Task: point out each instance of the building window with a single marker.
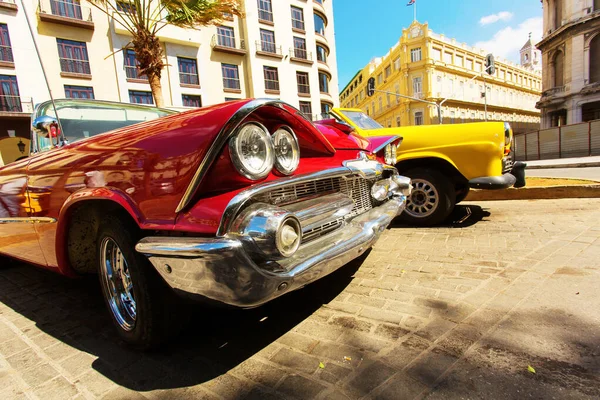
(397, 64)
(297, 18)
(447, 57)
(306, 109)
(388, 71)
(323, 82)
(126, 7)
(225, 36)
(459, 61)
(132, 66)
(5, 47)
(478, 66)
(397, 121)
(379, 79)
(300, 48)
(415, 54)
(190, 100)
(558, 69)
(319, 24)
(73, 57)
(302, 81)
(66, 8)
(79, 92)
(271, 78)
(380, 99)
(321, 54)
(9, 94)
(267, 41)
(595, 58)
(265, 10)
(326, 108)
(140, 97)
(417, 86)
(231, 76)
(188, 71)
(469, 64)
(419, 118)
(558, 13)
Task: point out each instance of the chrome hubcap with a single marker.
(424, 199)
(117, 284)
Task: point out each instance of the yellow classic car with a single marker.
(445, 161)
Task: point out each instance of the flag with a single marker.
(411, 2)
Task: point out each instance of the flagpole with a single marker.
(415, 11)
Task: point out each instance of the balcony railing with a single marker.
(66, 12)
(228, 44)
(74, 66)
(554, 91)
(15, 104)
(186, 78)
(10, 4)
(133, 72)
(6, 54)
(268, 48)
(301, 54)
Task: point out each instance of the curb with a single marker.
(536, 193)
(576, 165)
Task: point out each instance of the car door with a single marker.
(18, 236)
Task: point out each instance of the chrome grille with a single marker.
(357, 188)
(507, 163)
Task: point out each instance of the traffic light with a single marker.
(490, 66)
(370, 87)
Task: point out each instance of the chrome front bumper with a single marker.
(221, 269)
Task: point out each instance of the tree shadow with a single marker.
(215, 341)
(463, 216)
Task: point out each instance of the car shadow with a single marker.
(463, 216)
(213, 342)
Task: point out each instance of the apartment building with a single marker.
(432, 67)
(281, 49)
(571, 62)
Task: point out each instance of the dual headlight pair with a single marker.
(390, 154)
(255, 152)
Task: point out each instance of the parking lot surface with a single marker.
(500, 303)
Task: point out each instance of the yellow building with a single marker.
(434, 68)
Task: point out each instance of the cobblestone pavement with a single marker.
(451, 312)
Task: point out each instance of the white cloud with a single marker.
(508, 41)
(501, 16)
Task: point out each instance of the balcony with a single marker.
(228, 44)
(66, 13)
(554, 91)
(6, 57)
(301, 56)
(15, 105)
(9, 5)
(75, 68)
(268, 49)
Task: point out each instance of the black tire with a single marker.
(154, 314)
(428, 184)
(461, 194)
(6, 262)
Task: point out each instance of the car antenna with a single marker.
(37, 50)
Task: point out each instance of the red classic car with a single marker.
(236, 203)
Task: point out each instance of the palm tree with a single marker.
(145, 18)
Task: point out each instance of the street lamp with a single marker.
(21, 146)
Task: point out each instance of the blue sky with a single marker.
(367, 29)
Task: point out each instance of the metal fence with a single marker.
(577, 140)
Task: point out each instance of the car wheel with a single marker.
(142, 309)
(461, 194)
(6, 262)
(432, 198)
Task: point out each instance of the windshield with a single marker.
(83, 119)
(361, 120)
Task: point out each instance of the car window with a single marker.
(361, 120)
(80, 120)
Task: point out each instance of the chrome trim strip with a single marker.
(382, 146)
(223, 136)
(33, 220)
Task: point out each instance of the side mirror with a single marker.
(370, 87)
(46, 126)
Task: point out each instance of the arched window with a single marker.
(559, 69)
(595, 59)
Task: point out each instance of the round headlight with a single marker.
(287, 150)
(251, 151)
(388, 156)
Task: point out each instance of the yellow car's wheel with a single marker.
(432, 198)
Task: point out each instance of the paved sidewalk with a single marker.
(575, 162)
(451, 312)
